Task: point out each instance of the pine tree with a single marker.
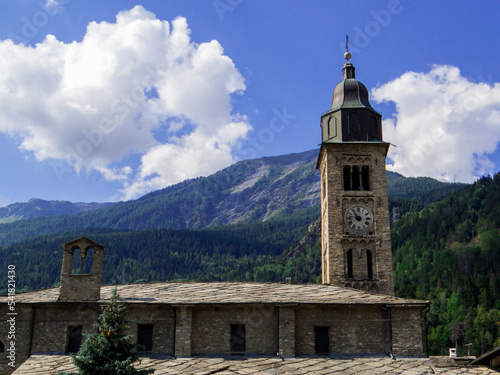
(109, 351)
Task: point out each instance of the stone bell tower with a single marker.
(82, 286)
(356, 242)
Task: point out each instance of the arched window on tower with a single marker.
(365, 178)
(349, 265)
(369, 264)
(356, 177)
(347, 177)
(82, 261)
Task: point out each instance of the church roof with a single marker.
(52, 364)
(80, 240)
(228, 293)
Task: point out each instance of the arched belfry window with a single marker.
(82, 261)
(349, 264)
(365, 178)
(347, 177)
(356, 177)
(369, 264)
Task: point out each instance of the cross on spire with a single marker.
(347, 54)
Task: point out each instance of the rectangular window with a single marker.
(321, 340)
(74, 339)
(145, 337)
(238, 339)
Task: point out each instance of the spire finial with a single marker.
(347, 55)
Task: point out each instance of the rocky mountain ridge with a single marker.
(249, 191)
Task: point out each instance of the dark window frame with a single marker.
(322, 340)
(350, 266)
(74, 334)
(356, 177)
(369, 264)
(145, 333)
(238, 339)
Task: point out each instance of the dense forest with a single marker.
(449, 253)
(244, 252)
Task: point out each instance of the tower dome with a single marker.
(351, 118)
(350, 93)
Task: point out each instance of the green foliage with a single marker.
(109, 351)
(449, 254)
(419, 189)
(245, 252)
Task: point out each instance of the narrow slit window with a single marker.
(365, 177)
(77, 263)
(356, 179)
(238, 339)
(349, 264)
(369, 264)
(322, 340)
(347, 178)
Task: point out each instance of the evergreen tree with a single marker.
(109, 351)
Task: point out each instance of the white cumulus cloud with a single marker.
(137, 86)
(445, 125)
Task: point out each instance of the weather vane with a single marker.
(347, 55)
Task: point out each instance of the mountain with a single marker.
(422, 189)
(240, 252)
(246, 192)
(40, 208)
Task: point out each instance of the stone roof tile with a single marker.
(225, 293)
(163, 364)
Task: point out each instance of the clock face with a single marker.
(359, 218)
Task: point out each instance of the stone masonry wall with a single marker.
(408, 331)
(353, 329)
(287, 331)
(206, 329)
(21, 326)
(50, 332)
(335, 202)
(162, 319)
(211, 331)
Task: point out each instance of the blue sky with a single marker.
(105, 101)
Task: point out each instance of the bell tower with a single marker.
(356, 241)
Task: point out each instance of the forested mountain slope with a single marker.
(247, 192)
(240, 252)
(449, 253)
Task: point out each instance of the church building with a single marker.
(354, 311)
